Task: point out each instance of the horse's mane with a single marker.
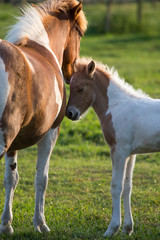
(30, 23)
(65, 6)
(113, 75)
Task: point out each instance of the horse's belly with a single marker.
(22, 141)
(35, 130)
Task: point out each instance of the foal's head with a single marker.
(82, 90)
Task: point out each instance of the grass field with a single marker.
(78, 199)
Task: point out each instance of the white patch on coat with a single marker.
(58, 95)
(4, 92)
(56, 59)
(135, 117)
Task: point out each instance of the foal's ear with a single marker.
(91, 68)
(76, 10)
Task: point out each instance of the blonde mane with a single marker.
(30, 23)
(114, 77)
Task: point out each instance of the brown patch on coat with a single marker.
(13, 166)
(11, 153)
(101, 106)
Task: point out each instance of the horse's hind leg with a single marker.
(45, 147)
(10, 183)
(128, 220)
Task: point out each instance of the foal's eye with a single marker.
(81, 90)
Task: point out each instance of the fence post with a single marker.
(108, 15)
(139, 12)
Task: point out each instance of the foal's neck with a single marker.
(100, 104)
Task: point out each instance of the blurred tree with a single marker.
(139, 12)
(108, 15)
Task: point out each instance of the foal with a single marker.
(130, 122)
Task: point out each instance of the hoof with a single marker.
(42, 228)
(6, 229)
(108, 234)
(128, 229)
(111, 231)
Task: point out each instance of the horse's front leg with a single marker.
(45, 147)
(10, 183)
(118, 172)
(128, 220)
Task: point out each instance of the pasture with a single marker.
(78, 199)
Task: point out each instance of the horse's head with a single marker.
(78, 26)
(82, 92)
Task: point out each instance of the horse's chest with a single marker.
(108, 130)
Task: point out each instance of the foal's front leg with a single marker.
(128, 220)
(10, 183)
(45, 147)
(118, 173)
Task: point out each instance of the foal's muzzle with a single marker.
(72, 113)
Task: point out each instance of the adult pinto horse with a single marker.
(32, 94)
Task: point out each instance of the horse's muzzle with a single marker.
(72, 113)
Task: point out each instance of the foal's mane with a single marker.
(30, 23)
(113, 76)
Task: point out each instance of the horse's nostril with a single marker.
(72, 113)
(69, 114)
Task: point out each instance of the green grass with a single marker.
(78, 199)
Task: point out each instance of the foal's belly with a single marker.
(148, 144)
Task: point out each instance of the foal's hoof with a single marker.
(6, 229)
(112, 230)
(128, 229)
(42, 228)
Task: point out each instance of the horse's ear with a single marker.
(76, 10)
(91, 68)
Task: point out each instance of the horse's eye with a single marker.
(81, 90)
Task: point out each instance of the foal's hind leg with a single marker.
(128, 220)
(45, 147)
(10, 183)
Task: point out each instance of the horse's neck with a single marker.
(57, 34)
(100, 104)
(109, 93)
